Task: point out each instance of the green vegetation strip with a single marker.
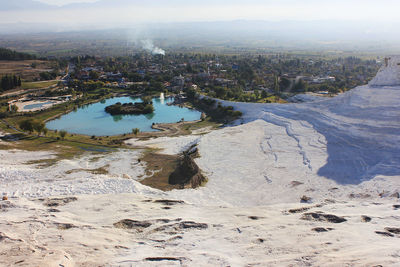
(38, 85)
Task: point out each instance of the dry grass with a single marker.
(63, 149)
(160, 167)
(24, 68)
(38, 85)
(101, 170)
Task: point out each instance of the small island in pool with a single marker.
(92, 119)
(145, 107)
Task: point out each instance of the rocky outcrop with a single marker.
(322, 217)
(132, 224)
(388, 75)
(299, 210)
(187, 173)
(55, 202)
(65, 226)
(5, 205)
(365, 218)
(384, 233)
(157, 259)
(169, 202)
(321, 229)
(393, 230)
(305, 199)
(181, 227)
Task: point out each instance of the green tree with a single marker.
(189, 68)
(135, 131)
(146, 100)
(264, 94)
(300, 86)
(94, 75)
(156, 86)
(7, 54)
(277, 88)
(26, 125)
(284, 83)
(148, 109)
(191, 93)
(8, 82)
(14, 109)
(73, 93)
(220, 91)
(135, 77)
(333, 90)
(38, 126)
(62, 134)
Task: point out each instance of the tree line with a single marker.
(32, 125)
(8, 82)
(7, 54)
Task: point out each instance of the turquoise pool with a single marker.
(93, 120)
(38, 105)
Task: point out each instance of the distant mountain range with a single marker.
(7, 5)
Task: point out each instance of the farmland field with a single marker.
(24, 68)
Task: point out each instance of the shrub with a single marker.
(26, 125)
(38, 126)
(63, 134)
(135, 131)
(148, 109)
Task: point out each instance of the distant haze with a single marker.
(122, 12)
(325, 22)
(65, 2)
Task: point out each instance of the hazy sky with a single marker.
(375, 10)
(125, 14)
(65, 2)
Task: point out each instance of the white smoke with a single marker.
(149, 46)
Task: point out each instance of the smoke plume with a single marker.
(149, 46)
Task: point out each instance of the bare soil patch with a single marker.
(160, 167)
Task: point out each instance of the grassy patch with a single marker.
(38, 85)
(159, 166)
(202, 124)
(272, 99)
(63, 149)
(3, 147)
(101, 170)
(43, 163)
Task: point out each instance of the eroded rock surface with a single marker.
(55, 202)
(322, 217)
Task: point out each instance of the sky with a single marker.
(379, 12)
(65, 2)
(375, 10)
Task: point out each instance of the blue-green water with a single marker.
(39, 105)
(93, 120)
